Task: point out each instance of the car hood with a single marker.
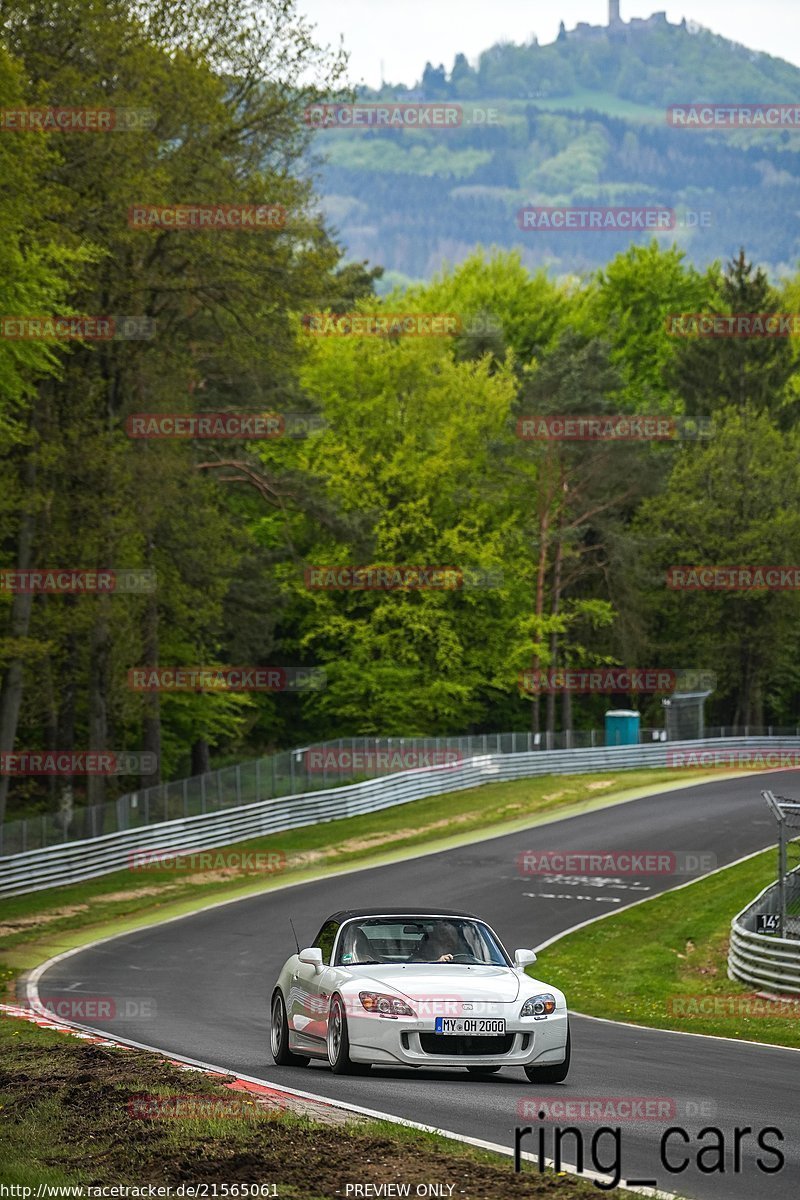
(447, 981)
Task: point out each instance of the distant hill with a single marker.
(581, 121)
(647, 61)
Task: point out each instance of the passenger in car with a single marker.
(356, 948)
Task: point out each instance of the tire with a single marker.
(482, 1070)
(553, 1072)
(279, 1037)
(338, 1042)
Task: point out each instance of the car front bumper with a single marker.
(397, 1040)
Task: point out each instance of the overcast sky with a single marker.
(395, 37)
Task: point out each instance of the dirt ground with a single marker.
(124, 1116)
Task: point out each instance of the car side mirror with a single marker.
(312, 957)
(524, 958)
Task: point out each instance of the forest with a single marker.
(395, 444)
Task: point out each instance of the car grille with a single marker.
(433, 1043)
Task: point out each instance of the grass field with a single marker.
(584, 98)
(664, 961)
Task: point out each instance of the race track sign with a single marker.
(768, 923)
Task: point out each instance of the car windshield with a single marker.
(418, 939)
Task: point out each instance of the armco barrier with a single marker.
(78, 860)
(760, 958)
(286, 773)
(316, 767)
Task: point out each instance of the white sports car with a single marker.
(417, 988)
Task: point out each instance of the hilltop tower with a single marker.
(613, 13)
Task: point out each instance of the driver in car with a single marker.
(438, 946)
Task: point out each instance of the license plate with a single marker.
(469, 1025)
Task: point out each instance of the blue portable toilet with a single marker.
(622, 727)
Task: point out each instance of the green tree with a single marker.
(730, 502)
(628, 304)
(37, 270)
(406, 449)
(227, 89)
(713, 372)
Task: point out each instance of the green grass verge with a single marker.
(78, 1114)
(39, 924)
(642, 963)
(583, 99)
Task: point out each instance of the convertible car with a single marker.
(407, 987)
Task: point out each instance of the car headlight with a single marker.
(539, 1006)
(385, 1006)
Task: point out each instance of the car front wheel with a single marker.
(338, 1041)
(553, 1072)
(279, 1037)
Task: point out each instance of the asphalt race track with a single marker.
(210, 977)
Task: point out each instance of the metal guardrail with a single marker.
(761, 958)
(288, 773)
(89, 858)
(786, 811)
(297, 772)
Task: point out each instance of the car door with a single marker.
(310, 990)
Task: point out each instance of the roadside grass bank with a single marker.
(40, 924)
(81, 1114)
(664, 962)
